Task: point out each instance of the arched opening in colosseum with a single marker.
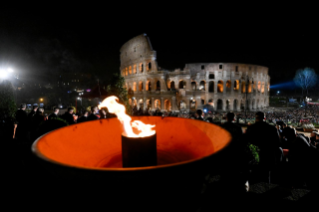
(254, 86)
(172, 87)
(182, 105)
(193, 84)
(134, 69)
(243, 87)
(158, 85)
(167, 105)
(262, 87)
(261, 104)
(202, 85)
(192, 104)
(211, 76)
(182, 84)
(236, 85)
(148, 86)
(259, 86)
(235, 104)
(242, 105)
(168, 84)
(149, 66)
(258, 106)
(211, 87)
(126, 72)
(227, 104)
(220, 86)
(228, 85)
(130, 69)
(140, 104)
(130, 92)
(247, 105)
(219, 104)
(134, 86)
(253, 104)
(141, 67)
(148, 104)
(157, 104)
(140, 86)
(249, 87)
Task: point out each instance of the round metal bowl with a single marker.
(90, 152)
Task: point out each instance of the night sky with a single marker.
(39, 43)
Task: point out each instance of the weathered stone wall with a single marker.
(194, 86)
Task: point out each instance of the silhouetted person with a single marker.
(37, 120)
(22, 123)
(266, 138)
(54, 114)
(135, 111)
(93, 115)
(68, 116)
(32, 113)
(300, 159)
(103, 113)
(199, 115)
(84, 117)
(236, 167)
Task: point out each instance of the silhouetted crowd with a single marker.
(272, 154)
(260, 153)
(29, 126)
(311, 114)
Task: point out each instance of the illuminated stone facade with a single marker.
(225, 84)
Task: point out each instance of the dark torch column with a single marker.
(139, 152)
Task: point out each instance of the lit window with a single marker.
(134, 69)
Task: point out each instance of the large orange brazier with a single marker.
(91, 151)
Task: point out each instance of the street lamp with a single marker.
(4, 73)
(76, 103)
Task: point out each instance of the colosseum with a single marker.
(221, 86)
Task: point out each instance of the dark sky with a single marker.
(89, 40)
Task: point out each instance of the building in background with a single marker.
(226, 86)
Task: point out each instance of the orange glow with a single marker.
(97, 144)
(119, 110)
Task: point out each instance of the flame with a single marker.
(119, 110)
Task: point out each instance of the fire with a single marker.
(119, 110)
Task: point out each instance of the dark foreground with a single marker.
(27, 185)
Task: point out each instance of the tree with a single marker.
(115, 86)
(305, 78)
(7, 103)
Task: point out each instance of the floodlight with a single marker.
(3, 74)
